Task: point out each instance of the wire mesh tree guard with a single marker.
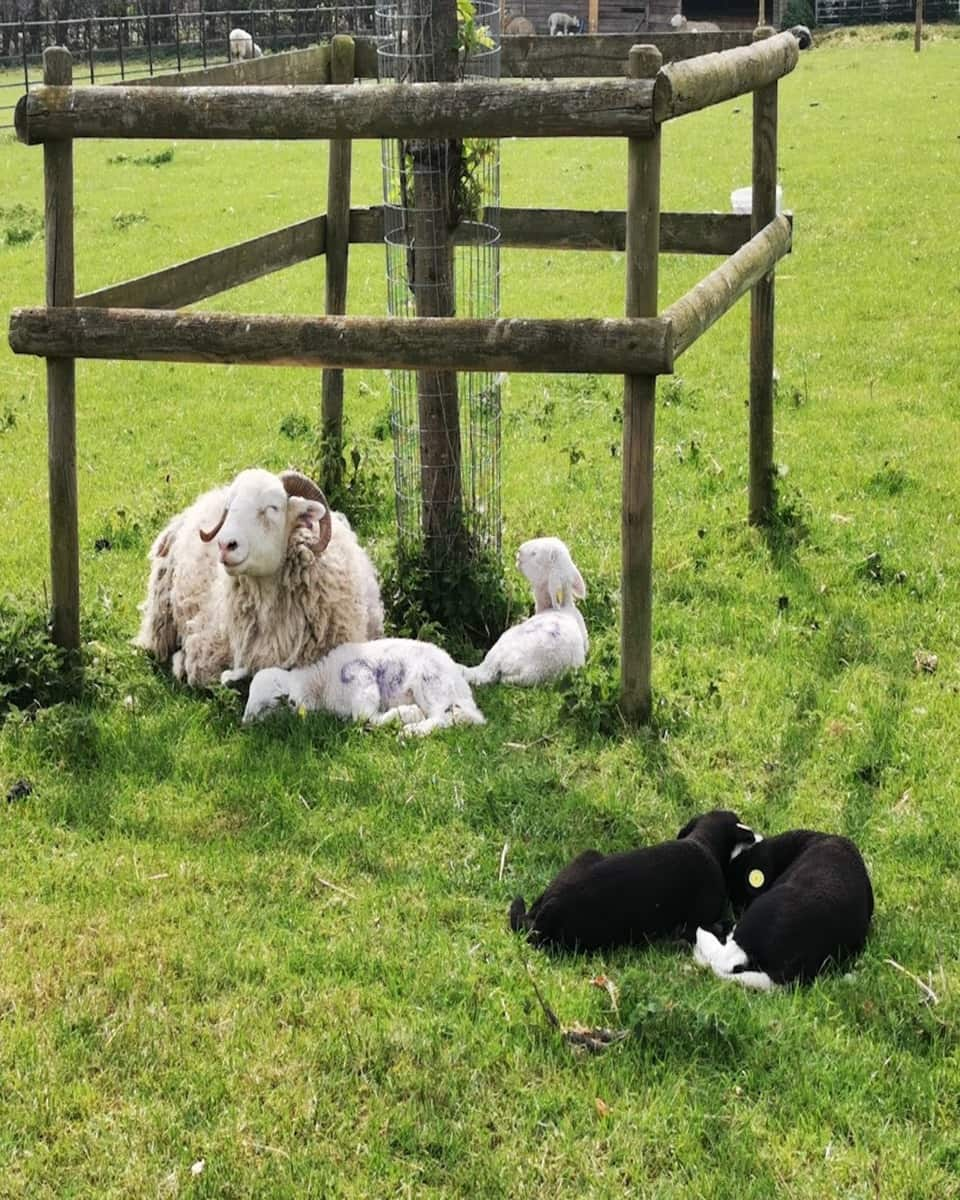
(443, 260)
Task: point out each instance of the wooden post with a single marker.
(763, 210)
(918, 26)
(337, 250)
(435, 168)
(61, 394)
(593, 15)
(639, 396)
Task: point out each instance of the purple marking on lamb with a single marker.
(350, 670)
(551, 627)
(389, 676)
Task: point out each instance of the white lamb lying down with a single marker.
(391, 679)
(554, 639)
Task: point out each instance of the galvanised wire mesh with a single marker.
(443, 259)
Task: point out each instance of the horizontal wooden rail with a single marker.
(707, 301)
(589, 56)
(488, 108)
(685, 87)
(566, 229)
(574, 229)
(596, 55)
(209, 274)
(292, 67)
(593, 346)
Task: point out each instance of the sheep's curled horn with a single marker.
(295, 484)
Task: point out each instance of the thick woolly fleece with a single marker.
(220, 622)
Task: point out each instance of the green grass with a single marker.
(282, 951)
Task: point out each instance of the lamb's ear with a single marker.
(743, 838)
(563, 579)
(687, 829)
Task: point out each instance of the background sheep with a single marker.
(519, 27)
(680, 24)
(559, 24)
(599, 900)
(393, 679)
(552, 641)
(808, 903)
(256, 574)
(243, 46)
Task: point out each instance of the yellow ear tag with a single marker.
(756, 878)
(561, 593)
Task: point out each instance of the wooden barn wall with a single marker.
(626, 16)
(633, 16)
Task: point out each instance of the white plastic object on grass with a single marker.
(741, 200)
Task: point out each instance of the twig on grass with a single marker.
(547, 1010)
(931, 995)
(503, 861)
(335, 887)
(593, 1039)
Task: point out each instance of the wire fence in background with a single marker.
(106, 49)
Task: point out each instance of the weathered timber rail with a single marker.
(611, 346)
(488, 109)
(628, 95)
(207, 275)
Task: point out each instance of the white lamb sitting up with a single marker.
(392, 679)
(256, 574)
(243, 46)
(552, 641)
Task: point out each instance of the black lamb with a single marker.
(806, 904)
(603, 900)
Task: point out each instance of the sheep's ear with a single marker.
(312, 515)
(299, 488)
(687, 829)
(579, 587)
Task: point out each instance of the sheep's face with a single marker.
(257, 523)
(547, 565)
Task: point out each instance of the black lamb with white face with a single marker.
(806, 904)
(603, 900)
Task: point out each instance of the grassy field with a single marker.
(275, 962)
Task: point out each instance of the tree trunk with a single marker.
(436, 172)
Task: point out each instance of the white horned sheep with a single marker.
(554, 639)
(243, 46)
(392, 679)
(256, 574)
(560, 24)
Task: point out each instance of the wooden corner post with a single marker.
(763, 210)
(342, 54)
(639, 396)
(61, 391)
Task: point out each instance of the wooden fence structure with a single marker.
(630, 93)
